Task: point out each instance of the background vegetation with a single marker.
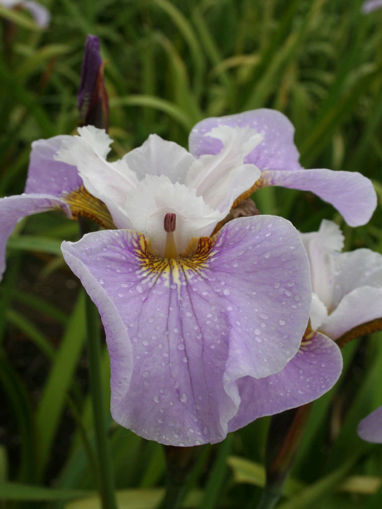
(170, 64)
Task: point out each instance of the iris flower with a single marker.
(371, 5)
(40, 13)
(277, 157)
(370, 428)
(347, 293)
(347, 287)
(204, 320)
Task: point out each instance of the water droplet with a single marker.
(183, 398)
(226, 291)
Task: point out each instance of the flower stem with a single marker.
(99, 414)
(269, 499)
(179, 461)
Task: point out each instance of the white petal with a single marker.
(160, 157)
(360, 306)
(321, 247)
(110, 182)
(216, 176)
(318, 312)
(358, 268)
(156, 196)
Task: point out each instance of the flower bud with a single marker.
(92, 98)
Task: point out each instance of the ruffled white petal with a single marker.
(154, 197)
(159, 157)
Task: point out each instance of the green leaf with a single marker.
(322, 488)
(57, 386)
(18, 18)
(16, 491)
(34, 243)
(156, 103)
(30, 330)
(135, 499)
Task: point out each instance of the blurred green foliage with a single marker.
(170, 64)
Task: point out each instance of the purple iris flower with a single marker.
(276, 156)
(40, 13)
(370, 428)
(203, 323)
(347, 293)
(371, 5)
(347, 287)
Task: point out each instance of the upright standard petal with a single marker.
(160, 157)
(14, 208)
(370, 428)
(181, 332)
(311, 373)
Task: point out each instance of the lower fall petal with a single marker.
(182, 332)
(310, 374)
(351, 193)
(370, 428)
(14, 208)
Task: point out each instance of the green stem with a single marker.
(269, 499)
(173, 496)
(99, 413)
(179, 462)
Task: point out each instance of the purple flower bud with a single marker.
(92, 98)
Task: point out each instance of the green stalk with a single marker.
(107, 491)
(269, 499)
(179, 462)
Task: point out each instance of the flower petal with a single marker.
(318, 312)
(180, 338)
(357, 307)
(370, 428)
(320, 246)
(45, 174)
(40, 13)
(351, 193)
(221, 178)
(370, 6)
(14, 208)
(276, 151)
(159, 157)
(312, 372)
(355, 269)
(154, 197)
